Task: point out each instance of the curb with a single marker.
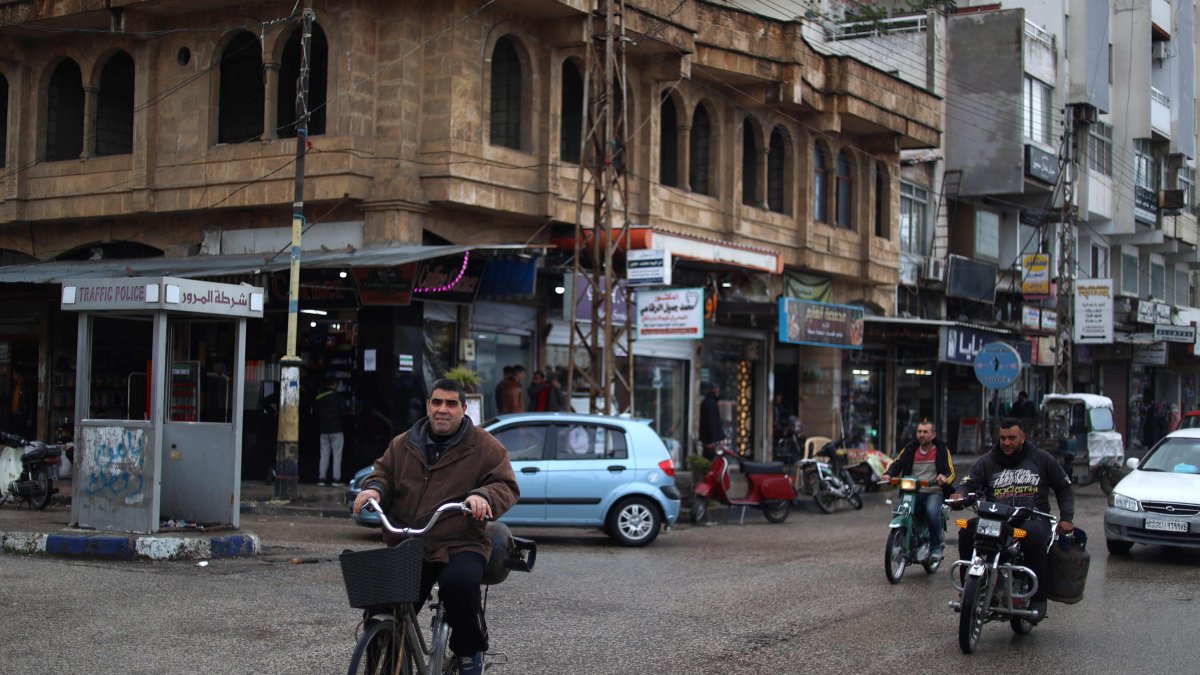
(130, 547)
(289, 509)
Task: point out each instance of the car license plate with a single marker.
(1167, 525)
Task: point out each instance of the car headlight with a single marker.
(1120, 501)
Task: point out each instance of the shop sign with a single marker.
(807, 287)
(385, 285)
(1049, 320)
(1146, 312)
(803, 322)
(1154, 354)
(1031, 317)
(162, 293)
(319, 289)
(1184, 334)
(648, 267)
(1093, 311)
(452, 278)
(1162, 312)
(960, 345)
(583, 291)
(1145, 204)
(1036, 278)
(670, 314)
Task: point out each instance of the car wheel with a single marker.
(1118, 547)
(634, 521)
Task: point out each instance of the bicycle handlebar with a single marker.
(415, 532)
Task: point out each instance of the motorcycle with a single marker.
(826, 478)
(908, 537)
(995, 585)
(27, 471)
(789, 444)
(768, 488)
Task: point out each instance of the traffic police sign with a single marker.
(997, 365)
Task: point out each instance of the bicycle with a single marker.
(385, 583)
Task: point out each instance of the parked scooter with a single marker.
(768, 488)
(995, 585)
(826, 480)
(28, 470)
(908, 539)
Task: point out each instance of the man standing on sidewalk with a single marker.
(331, 411)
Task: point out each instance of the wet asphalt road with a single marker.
(805, 596)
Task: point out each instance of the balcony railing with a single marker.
(1037, 34)
(862, 29)
(1160, 112)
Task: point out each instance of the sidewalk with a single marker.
(23, 531)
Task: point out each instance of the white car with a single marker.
(1159, 501)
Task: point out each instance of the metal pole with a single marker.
(287, 452)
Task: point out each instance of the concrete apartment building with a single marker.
(157, 138)
(1013, 74)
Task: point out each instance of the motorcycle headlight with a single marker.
(908, 484)
(988, 528)
(1122, 502)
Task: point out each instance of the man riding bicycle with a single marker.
(441, 458)
(927, 459)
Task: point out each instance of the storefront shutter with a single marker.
(1116, 387)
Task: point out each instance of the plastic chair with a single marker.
(813, 444)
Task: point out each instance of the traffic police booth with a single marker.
(162, 461)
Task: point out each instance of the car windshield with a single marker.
(1102, 419)
(1174, 455)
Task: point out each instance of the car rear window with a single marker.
(589, 441)
(524, 442)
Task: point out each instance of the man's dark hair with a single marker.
(1022, 394)
(507, 371)
(1010, 422)
(452, 385)
(518, 369)
(538, 373)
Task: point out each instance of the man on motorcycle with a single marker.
(927, 459)
(1017, 473)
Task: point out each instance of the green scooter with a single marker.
(908, 538)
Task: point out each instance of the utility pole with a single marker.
(287, 452)
(1064, 353)
(605, 154)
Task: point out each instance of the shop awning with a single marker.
(691, 247)
(202, 266)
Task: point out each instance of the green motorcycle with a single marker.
(908, 538)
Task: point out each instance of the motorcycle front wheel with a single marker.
(894, 562)
(39, 496)
(975, 601)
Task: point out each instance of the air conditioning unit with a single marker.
(1158, 50)
(1170, 200)
(934, 269)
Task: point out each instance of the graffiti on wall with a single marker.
(113, 463)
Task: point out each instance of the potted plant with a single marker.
(469, 379)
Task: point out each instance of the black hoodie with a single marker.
(1023, 479)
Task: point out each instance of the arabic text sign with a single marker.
(997, 365)
(159, 293)
(959, 344)
(1185, 334)
(1093, 311)
(648, 267)
(1036, 280)
(673, 313)
(804, 322)
(583, 292)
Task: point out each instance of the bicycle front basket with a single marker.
(383, 576)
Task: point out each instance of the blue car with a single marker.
(578, 470)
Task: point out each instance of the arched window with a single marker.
(775, 159)
(506, 95)
(700, 152)
(318, 83)
(883, 200)
(114, 107)
(749, 164)
(820, 183)
(571, 134)
(240, 106)
(64, 113)
(3, 119)
(844, 192)
(668, 145)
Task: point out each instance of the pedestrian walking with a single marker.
(331, 412)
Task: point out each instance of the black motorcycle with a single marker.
(34, 483)
(995, 585)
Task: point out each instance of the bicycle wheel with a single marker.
(441, 660)
(381, 650)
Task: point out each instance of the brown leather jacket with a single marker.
(411, 490)
(511, 398)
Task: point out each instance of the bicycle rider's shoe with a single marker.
(470, 665)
